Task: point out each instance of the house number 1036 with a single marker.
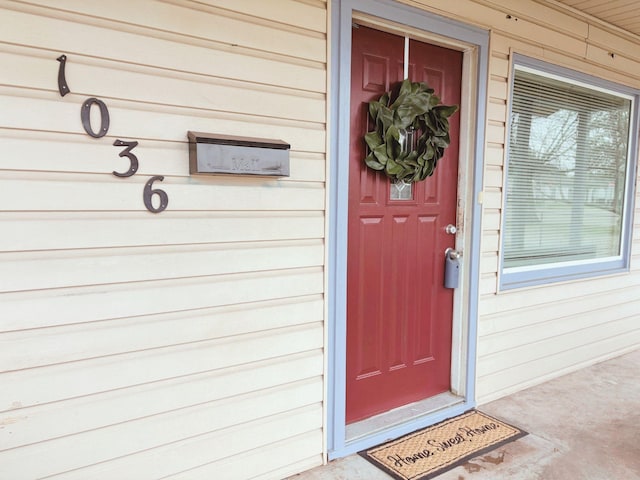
(85, 116)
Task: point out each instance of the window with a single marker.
(569, 176)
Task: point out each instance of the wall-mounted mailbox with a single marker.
(225, 154)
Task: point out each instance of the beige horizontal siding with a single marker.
(58, 269)
(530, 16)
(71, 192)
(64, 343)
(276, 454)
(66, 152)
(77, 230)
(57, 419)
(178, 342)
(172, 122)
(112, 40)
(222, 23)
(528, 328)
(180, 440)
(30, 309)
(148, 85)
(238, 441)
(519, 376)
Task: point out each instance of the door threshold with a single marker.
(401, 415)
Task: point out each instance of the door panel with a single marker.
(398, 313)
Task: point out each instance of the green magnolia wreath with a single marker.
(415, 112)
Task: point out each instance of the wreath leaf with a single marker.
(393, 168)
(416, 110)
(373, 163)
(380, 153)
(373, 139)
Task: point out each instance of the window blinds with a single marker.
(568, 150)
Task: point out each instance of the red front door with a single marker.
(399, 314)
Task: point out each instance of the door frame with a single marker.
(394, 17)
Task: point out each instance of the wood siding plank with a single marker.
(289, 452)
(239, 441)
(97, 375)
(24, 232)
(180, 426)
(30, 425)
(158, 86)
(556, 326)
(182, 54)
(60, 344)
(302, 14)
(172, 123)
(40, 270)
(92, 303)
(525, 375)
(212, 24)
(74, 192)
(73, 153)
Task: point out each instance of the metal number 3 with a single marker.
(133, 168)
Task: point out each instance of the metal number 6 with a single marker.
(149, 192)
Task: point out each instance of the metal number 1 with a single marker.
(63, 88)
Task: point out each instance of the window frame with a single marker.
(517, 277)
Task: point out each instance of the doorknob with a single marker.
(452, 253)
(450, 229)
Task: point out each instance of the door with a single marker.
(399, 315)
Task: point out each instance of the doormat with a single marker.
(434, 450)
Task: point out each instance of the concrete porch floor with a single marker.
(582, 426)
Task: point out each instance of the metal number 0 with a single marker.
(149, 192)
(85, 116)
